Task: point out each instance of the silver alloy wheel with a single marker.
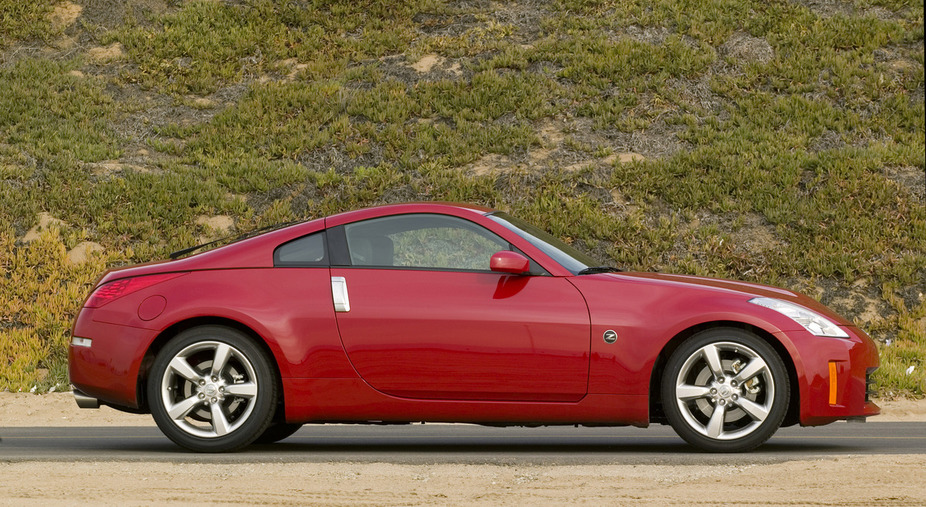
(209, 389)
(725, 390)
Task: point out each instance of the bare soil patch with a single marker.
(82, 252)
(64, 15)
(106, 54)
(746, 48)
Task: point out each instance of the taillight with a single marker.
(111, 291)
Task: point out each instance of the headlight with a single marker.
(814, 323)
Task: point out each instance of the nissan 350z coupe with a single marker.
(454, 313)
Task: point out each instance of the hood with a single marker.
(745, 289)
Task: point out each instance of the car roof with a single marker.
(449, 208)
(251, 252)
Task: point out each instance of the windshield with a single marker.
(567, 256)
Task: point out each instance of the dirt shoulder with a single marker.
(846, 480)
(59, 409)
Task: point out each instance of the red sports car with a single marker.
(454, 313)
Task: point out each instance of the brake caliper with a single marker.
(752, 386)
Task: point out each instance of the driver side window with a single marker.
(424, 241)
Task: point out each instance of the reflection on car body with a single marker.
(454, 313)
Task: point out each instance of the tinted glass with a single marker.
(305, 251)
(422, 241)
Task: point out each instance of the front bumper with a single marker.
(835, 377)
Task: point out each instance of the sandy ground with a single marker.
(839, 480)
(868, 480)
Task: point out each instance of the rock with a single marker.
(221, 224)
(45, 221)
(82, 252)
(106, 54)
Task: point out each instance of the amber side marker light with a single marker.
(833, 382)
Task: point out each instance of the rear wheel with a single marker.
(725, 390)
(212, 389)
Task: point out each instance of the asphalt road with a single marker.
(460, 443)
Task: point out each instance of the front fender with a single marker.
(648, 314)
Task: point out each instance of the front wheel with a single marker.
(212, 389)
(725, 390)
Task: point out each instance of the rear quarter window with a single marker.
(305, 251)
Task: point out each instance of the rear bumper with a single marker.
(836, 379)
(104, 361)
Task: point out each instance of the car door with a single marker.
(421, 316)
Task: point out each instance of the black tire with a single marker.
(276, 432)
(725, 390)
(213, 410)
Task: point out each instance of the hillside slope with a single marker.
(779, 142)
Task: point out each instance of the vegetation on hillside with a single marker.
(779, 142)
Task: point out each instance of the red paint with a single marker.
(455, 335)
(509, 262)
(339, 400)
(150, 308)
(421, 345)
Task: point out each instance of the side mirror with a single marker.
(510, 262)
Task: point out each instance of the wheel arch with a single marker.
(657, 415)
(173, 330)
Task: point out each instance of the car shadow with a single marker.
(433, 445)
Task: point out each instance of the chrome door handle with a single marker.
(339, 294)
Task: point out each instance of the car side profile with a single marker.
(454, 313)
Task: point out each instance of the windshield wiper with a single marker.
(229, 239)
(600, 269)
